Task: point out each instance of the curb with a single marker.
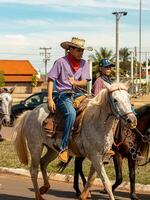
(69, 179)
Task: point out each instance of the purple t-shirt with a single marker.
(61, 70)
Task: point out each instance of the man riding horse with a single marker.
(68, 72)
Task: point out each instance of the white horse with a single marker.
(5, 105)
(96, 134)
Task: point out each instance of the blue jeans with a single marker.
(64, 104)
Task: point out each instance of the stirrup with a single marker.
(110, 152)
(63, 155)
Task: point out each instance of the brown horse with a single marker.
(127, 145)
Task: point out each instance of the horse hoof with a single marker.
(134, 197)
(44, 189)
(83, 196)
(40, 198)
(89, 195)
(103, 191)
(78, 194)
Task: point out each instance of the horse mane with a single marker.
(98, 99)
(102, 95)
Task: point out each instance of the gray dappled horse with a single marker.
(96, 134)
(5, 106)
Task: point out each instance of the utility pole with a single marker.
(132, 72)
(118, 15)
(136, 71)
(89, 87)
(140, 38)
(46, 58)
(147, 75)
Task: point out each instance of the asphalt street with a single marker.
(20, 188)
(14, 187)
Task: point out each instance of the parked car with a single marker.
(28, 104)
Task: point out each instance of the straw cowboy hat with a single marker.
(75, 42)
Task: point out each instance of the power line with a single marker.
(46, 58)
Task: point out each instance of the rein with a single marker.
(145, 138)
(85, 92)
(122, 142)
(145, 163)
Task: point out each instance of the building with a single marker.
(18, 74)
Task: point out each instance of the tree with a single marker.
(124, 54)
(34, 81)
(103, 53)
(2, 79)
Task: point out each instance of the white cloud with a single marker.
(68, 4)
(36, 33)
(49, 24)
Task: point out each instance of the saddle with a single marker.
(53, 124)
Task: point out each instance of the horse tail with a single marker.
(61, 166)
(20, 141)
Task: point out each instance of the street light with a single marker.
(140, 37)
(118, 16)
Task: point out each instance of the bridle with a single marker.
(114, 110)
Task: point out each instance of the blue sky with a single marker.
(28, 25)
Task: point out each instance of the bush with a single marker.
(34, 81)
(2, 79)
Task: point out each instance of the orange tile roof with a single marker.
(17, 67)
(19, 79)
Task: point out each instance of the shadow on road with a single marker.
(58, 193)
(96, 195)
(13, 197)
(122, 195)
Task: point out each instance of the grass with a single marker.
(8, 158)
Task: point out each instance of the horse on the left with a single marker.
(5, 107)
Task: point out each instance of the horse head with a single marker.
(120, 104)
(5, 105)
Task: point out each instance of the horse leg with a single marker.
(118, 169)
(91, 177)
(35, 160)
(78, 171)
(44, 161)
(131, 165)
(82, 174)
(99, 167)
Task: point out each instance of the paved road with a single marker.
(20, 188)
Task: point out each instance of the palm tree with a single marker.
(124, 54)
(103, 53)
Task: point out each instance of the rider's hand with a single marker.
(71, 80)
(51, 105)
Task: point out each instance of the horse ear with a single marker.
(10, 90)
(1, 90)
(127, 84)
